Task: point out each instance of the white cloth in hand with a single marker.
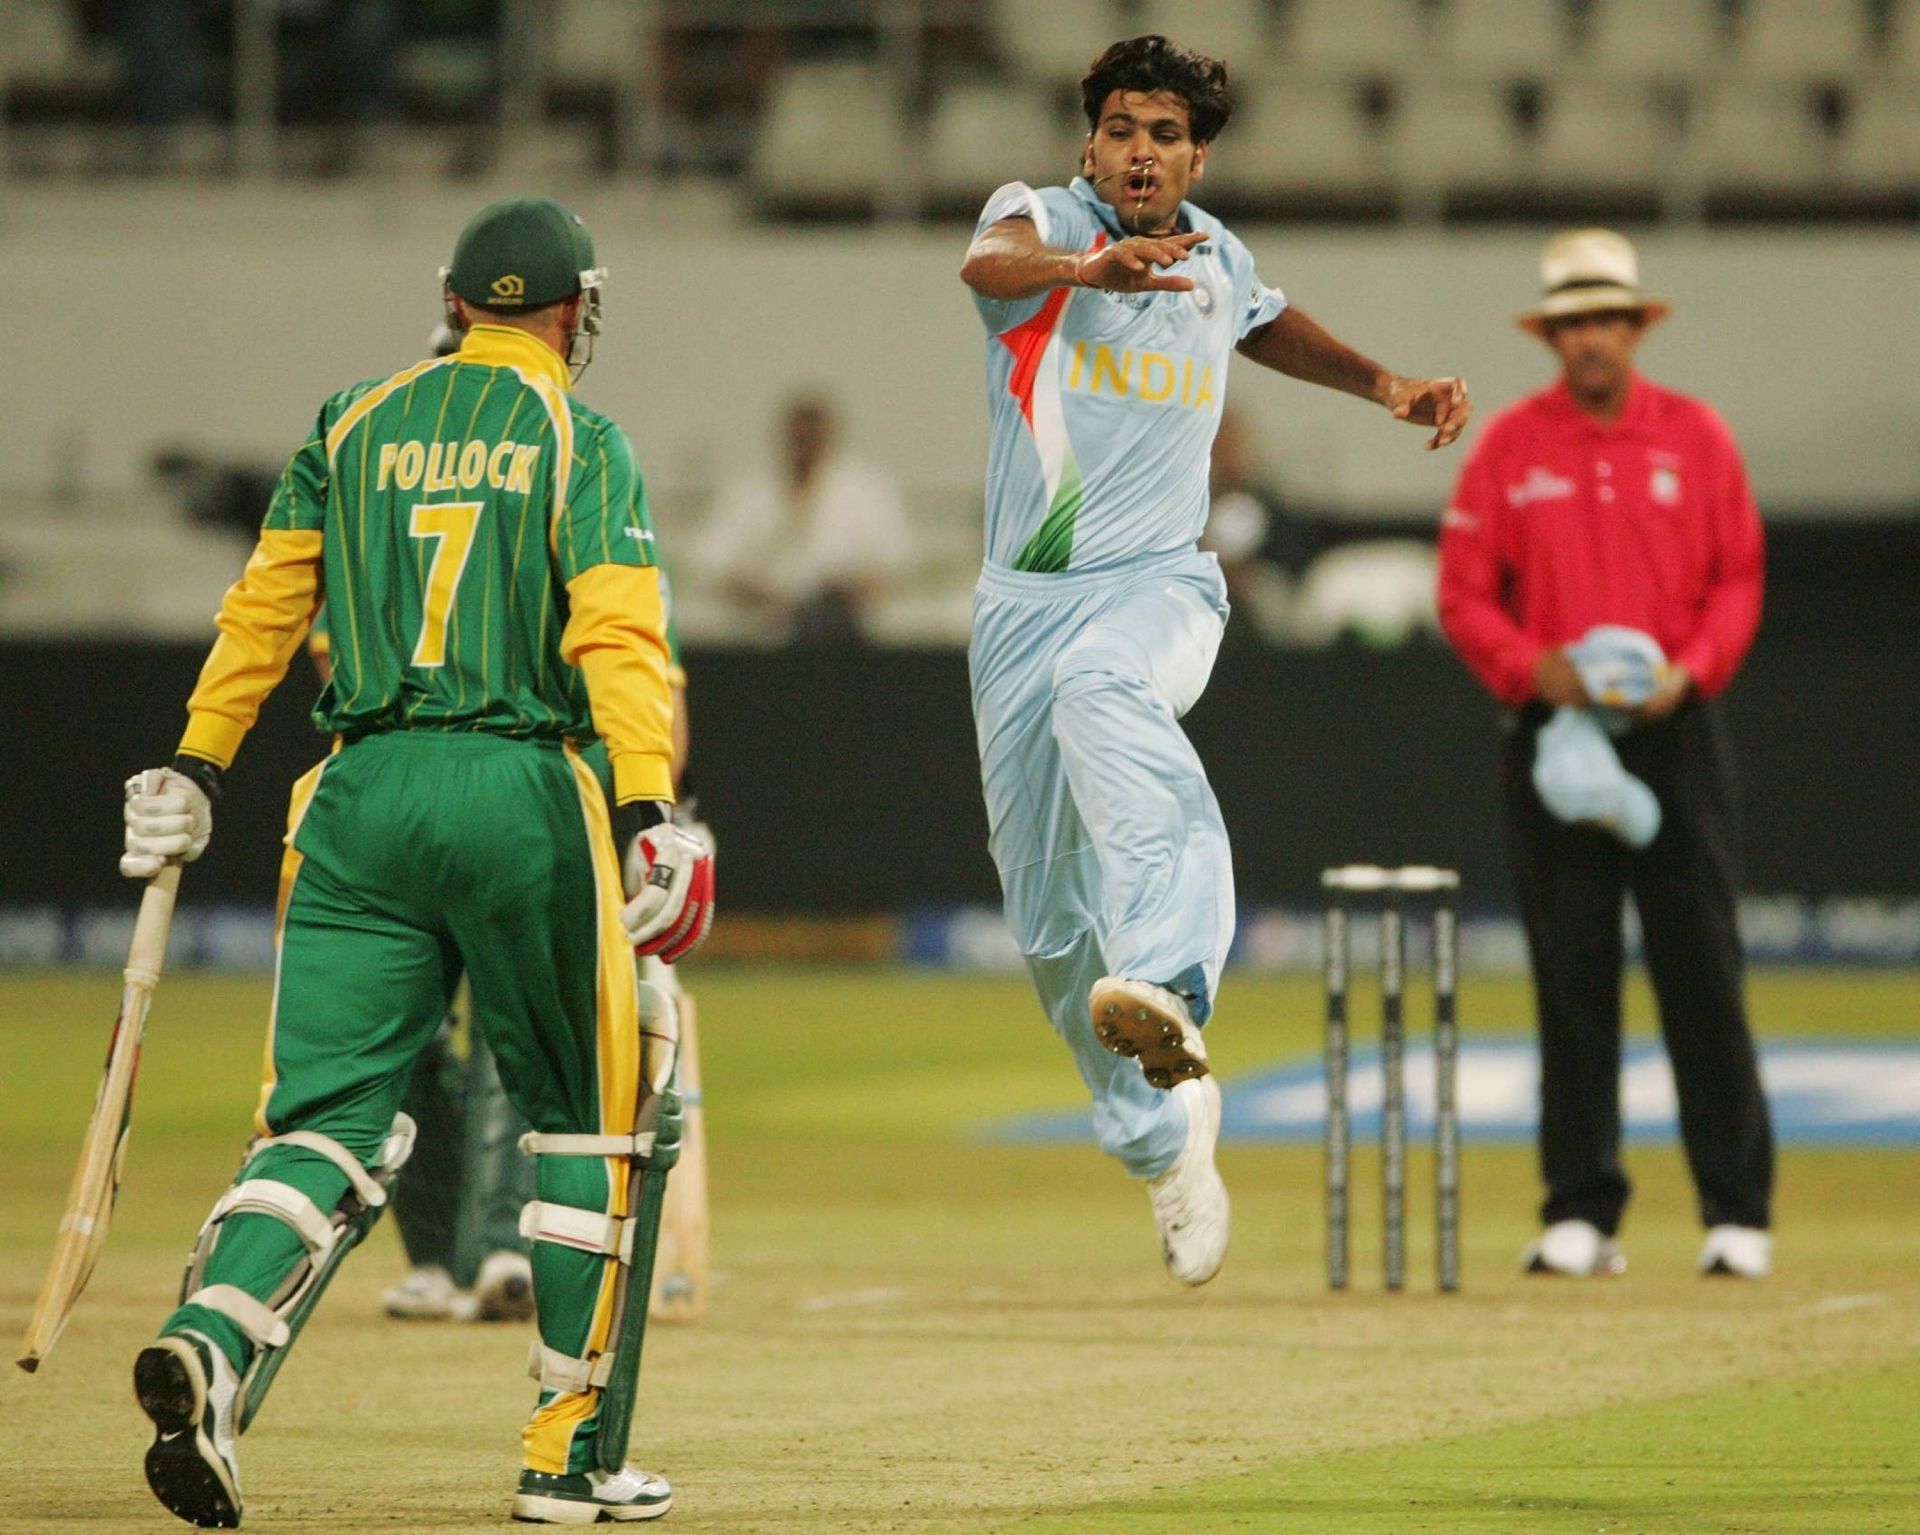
(1579, 778)
(169, 820)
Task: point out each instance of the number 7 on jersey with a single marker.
(451, 525)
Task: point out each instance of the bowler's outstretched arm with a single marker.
(1009, 261)
(1301, 347)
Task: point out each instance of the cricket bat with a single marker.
(103, 1154)
(680, 1266)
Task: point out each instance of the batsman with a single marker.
(483, 544)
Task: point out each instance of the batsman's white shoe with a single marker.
(502, 1291)
(428, 1294)
(186, 1385)
(1141, 1019)
(589, 1499)
(1576, 1248)
(1742, 1252)
(1189, 1199)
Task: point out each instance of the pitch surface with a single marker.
(917, 1330)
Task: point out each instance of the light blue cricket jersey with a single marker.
(1103, 406)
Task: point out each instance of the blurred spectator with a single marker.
(1261, 547)
(1297, 579)
(807, 548)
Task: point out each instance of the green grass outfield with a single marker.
(918, 1330)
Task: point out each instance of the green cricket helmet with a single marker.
(523, 253)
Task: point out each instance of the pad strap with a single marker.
(372, 1195)
(259, 1322)
(535, 1144)
(284, 1202)
(564, 1372)
(569, 1226)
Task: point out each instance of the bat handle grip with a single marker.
(148, 952)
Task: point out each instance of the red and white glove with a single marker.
(669, 877)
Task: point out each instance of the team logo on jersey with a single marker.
(510, 289)
(1665, 486)
(1203, 299)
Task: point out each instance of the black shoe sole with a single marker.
(183, 1468)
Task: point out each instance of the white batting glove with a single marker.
(669, 876)
(169, 820)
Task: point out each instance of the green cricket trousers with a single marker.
(413, 856)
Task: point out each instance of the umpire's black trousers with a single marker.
(1571, 881)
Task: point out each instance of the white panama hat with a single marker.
(1585, 270)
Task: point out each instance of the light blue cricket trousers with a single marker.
(1111, 851)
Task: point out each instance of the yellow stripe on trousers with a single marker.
(290, 861)
(548, 1436)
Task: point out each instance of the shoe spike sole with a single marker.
(1127, 1026)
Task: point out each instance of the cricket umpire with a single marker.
(483, 544)
(1603, 525)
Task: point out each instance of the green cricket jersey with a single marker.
(483, 546)
(437, 492)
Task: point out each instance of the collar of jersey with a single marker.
(1637, 416)
(501, 346)
(1083, 189)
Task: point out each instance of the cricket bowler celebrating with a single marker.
(1112, 307)
(483, 545)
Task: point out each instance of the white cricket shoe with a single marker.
(623, 1495)
(1576, 1248)
(502, 1291)
(1138, 1018)
(1189, 1199)
(1744, 1252)
(428, 1294)
(186, 1386)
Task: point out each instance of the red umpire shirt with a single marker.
(1561, 521)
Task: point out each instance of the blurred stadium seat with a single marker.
(1655, 39)
(1460, 142)
(1900, 56)
(38, 38)
(1879, 148)
(1608, 140)
(49, 66)
(982, 135)
(1347, 37)
(1300, 147)
(582, 42)
(1801, 39)
(1505, 38)
(831, 144)
(1056, 40)
(1239, 31)
(1382, 109)
(1750, 145)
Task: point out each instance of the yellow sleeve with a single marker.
(263, 618)
(617, 635)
